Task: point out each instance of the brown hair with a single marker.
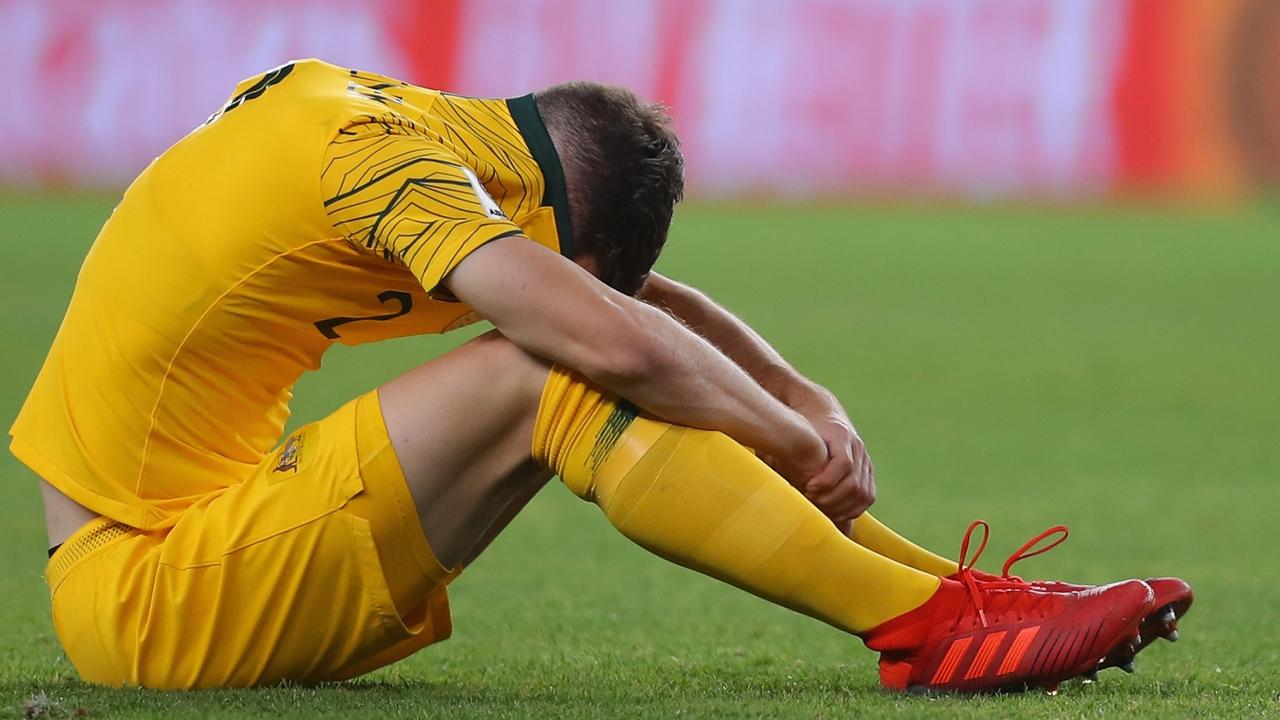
(623, 171)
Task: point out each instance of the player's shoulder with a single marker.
(320, 88)
(298, 70)
(301, 74)
(365, 97)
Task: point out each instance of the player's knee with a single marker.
(516, 359)
(508, 369)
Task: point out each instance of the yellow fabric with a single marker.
(873, 535)
(295, 574)
(705, 502)
(567, 432)
(321, 205)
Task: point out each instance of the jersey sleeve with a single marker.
(409, 198)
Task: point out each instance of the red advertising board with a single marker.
(1069, 98)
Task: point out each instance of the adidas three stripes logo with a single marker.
(984, 658)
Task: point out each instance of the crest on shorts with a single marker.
(290, 454)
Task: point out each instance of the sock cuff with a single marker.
(582, 430)
(568, 410)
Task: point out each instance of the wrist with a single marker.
(784, 383)
(806, 397)
(803, 444)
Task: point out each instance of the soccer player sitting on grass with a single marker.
(194, 548)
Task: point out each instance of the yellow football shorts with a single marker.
(314, 568)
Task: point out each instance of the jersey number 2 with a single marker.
(329, 327)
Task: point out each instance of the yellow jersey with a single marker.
(320, 205)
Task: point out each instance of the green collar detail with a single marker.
(529, 123)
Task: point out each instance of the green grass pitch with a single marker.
(1113, 369)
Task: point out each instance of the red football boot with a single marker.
(995, 636)
(1173, 598)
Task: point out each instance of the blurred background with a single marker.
(956, 98)
(1028, 242)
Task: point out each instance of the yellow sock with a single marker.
(703, 501)
(871, 534)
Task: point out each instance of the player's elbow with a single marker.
(625, 366)
(625, 356)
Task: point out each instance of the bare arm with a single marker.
(735, 338)
(555, 309)
(846, 485)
